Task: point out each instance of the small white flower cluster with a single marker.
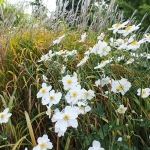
(64, 53)
(76, 97)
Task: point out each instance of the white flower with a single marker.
(66, 118)
(83, 61)
(101, 37)
(58, 40)
(134, 45)
(104, 49)
(69, 82)
(129, 29)
(96, 146)
(102, 82)
(4, 116)
(102, 64)
(74, 95)
(144, 93)
(43, 143)
(83, 108)
(119, 139)
(60, 133)
(131, 60)
(44, 58)
(87, 95)
(83, 36)
(52, 98)
(44, 91)
(122, 86)
(117, 26)
(121, 109)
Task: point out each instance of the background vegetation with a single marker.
(24, 39)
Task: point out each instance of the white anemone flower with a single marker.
(83, 108)
(60, 133)
(69, 82)
(144, 93)
(66, 118)
(87, 94)
(59, 39)
(101, 37)
(117, 26)
(129, 61)
(74, 95)
(44, 91)
(83, 61)
(96, 146)
(102, 64)
(43, 143)
(104, 49)
(120, 86)
(102, 82)
(4, 116)
(52, 98)
(121, 109)
(129, 29)
(83, 36)
(135, 45)
(44, 58)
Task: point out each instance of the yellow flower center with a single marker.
(149, 37)
(52, 98)
(81, 107)
(120, 87)
(125, 41)
(2, 116)
(143, 91)
(43, 91)
(74, 94)
(69, 81)
(43, 145)
(102, 62)
(128, 28)
(117, 25)
(121, 109)
(66, 117)
(134, 43)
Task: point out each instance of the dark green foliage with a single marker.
(143, 7)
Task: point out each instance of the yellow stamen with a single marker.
(143, 91)
(43, 145)
(74, 94)
(128, 28)
(66, 117)
(69, 81)
(52, 98)
(117, 25)
(43, 91)
(2, 116)
(134, 43)
(120, 87)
